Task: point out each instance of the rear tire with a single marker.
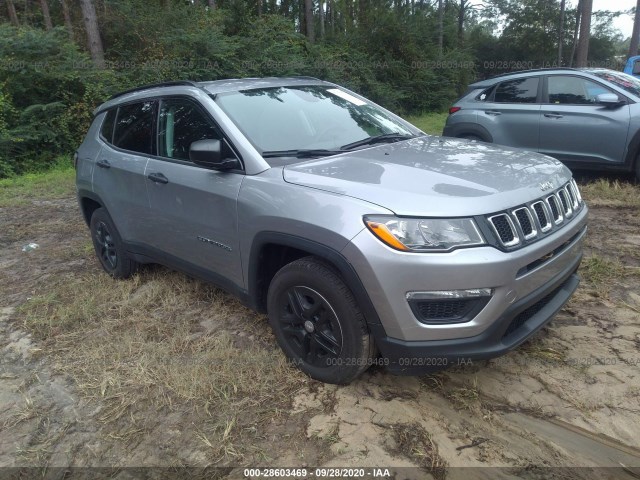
(109, 247)
(318, 323)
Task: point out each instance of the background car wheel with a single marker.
(108, 246)
(471, 137)
(317, 322)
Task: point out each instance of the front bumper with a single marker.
(537, 279)
(516, 325)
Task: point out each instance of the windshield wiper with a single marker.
(309, 153)
(385, 137)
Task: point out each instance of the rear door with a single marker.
(511, 112)
(193, 209)
(118, 178)
(574, 127)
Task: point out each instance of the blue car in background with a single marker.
(633, 66)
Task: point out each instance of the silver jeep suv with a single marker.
(363, 239)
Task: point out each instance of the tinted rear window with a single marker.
(522, 90)
(107, 126)
(134, 127)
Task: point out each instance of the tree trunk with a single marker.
(440, 27)
(67, 18)
(332, 16)
(585, 31)
(322, 15)
(635, 36)
(13, 16)
(46, 15)
(575, 33)
(561, 32)
(93, 32)
(259, 7)
(461, 15)
(308, 19)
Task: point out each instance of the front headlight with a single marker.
(424, 234)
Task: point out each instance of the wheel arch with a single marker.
(632, 158)
(270, 251)
(89, 203)
(466, 128)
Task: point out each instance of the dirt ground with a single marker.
(164, 371)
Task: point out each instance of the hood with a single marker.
(434, 176)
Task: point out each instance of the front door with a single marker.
(574, 127)
(193, 209)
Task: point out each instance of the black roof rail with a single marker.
(174, 83)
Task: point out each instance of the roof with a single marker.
(228, 85)
(214, 87)
(491, 81)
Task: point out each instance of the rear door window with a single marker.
(522, 90)
(134, 127)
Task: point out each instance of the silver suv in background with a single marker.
(588, 118)
(363, 239)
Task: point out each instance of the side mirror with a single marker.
(608, 99)
(208, 154)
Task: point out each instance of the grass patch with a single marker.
(431, 123)
(611, 192)
(55, 183)
(163, 343)
(601, 273)
(466, 397)
(413, 441)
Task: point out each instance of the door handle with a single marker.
(103, 163)
(495, 113)
(553, 115)
(158, 178)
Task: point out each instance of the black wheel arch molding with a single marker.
(83, 196)
(632, 157)
(333, 257)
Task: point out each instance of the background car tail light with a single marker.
(453, 110)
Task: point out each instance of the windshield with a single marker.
(620, 79)
(287, 119)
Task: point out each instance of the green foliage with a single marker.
(48, 89)
(385, 50)
(56, 182)
(431, 123)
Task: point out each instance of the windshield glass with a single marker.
(620, 79)
(306, 118)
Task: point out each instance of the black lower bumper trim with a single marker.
(516, 325)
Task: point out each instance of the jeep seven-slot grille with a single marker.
(504, 228)
(529, 222)
(552, 201)
(542, 216)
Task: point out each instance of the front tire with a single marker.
(109, 247)
(317, 322)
